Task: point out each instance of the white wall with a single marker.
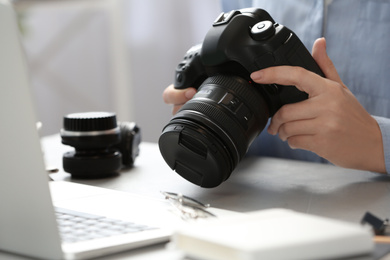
(109, 55)
(158, 35)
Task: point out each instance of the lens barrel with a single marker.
(212, 132)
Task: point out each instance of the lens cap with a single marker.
(195, 154)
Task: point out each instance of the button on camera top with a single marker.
(263, 30)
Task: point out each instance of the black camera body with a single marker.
(102, 145)
(212, 132)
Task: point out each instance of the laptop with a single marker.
(28, 218)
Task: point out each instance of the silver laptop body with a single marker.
(27, 220)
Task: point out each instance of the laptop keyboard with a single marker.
(77, 226)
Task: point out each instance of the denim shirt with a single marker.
(358, 42)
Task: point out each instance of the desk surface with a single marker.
(257, 183)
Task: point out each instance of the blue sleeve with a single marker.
(384, 125)
(228, 5)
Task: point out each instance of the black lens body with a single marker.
(212, 132)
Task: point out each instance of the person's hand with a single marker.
(177, 97)
(331, 122)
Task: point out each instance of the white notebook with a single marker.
(274, 234)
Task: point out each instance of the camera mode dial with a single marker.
(263, 30)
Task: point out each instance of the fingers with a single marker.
(324, 62)
(177, 96)
(304, 80)
(176, 108)
(293, 113)
(331, 123)
(305, 142)
(296, 128)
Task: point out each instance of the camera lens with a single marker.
(212, 132)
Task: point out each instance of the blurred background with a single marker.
(109, 55)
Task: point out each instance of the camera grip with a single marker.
(292, 53)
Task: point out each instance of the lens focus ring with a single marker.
(218, 118)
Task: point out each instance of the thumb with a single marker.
(324, 62)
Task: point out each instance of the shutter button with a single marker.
(262, 30)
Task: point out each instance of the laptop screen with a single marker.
(27, 220)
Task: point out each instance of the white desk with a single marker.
(257, 183)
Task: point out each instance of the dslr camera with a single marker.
(102, 146)
(206, 139)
